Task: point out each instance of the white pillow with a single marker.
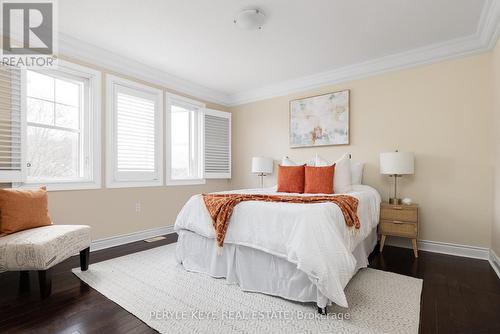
(287, 162)
(342, 178)
(320, 162)
(357, 172)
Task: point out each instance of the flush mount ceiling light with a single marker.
(250, 19)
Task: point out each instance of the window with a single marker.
(12, 125)
(63, 127)
(135, 134)
(184, 124)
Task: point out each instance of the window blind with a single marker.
(12, 125)
(217, 144)
(135, 134)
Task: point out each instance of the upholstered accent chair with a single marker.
(39, 249)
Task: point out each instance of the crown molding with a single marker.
(488, 28)
(483, 40)
(89, 53)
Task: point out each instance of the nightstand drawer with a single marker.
(399, 228)
(399, 213)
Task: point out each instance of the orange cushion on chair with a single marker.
(319, 180)
(291, 179)
(23, 209)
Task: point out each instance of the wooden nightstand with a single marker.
(400, 221)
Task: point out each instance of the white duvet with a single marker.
(312, 236)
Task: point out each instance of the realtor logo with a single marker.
(28, 33)
(27, 28)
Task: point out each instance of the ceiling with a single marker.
(198, 42)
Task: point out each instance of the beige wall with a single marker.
(111, 212)
(442, 112)
(495, 229)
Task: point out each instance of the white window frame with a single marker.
(93, 112)
(112, 179)
(173, 99)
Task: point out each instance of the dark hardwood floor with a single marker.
(459, 295)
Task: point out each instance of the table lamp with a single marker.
(396, 164)
(262, 166)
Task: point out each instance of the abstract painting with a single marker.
(320, 120)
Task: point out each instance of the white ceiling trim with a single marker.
(483, 40)
(489, 24)
(83, 51)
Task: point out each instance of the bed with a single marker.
(301, 252)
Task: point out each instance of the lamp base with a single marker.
(261, 175)
(395, 201)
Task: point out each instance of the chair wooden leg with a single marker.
(45, 282)
(84, 259)
(24, 281)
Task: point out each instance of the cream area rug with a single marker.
(156, 289)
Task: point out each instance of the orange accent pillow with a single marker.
(23, 209)
(291, 179)
(319, 180)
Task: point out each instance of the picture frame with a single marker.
(320, 120)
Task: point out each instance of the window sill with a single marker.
(60, 186)
(185, 182)
(133, 184)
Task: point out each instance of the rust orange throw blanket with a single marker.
(220, 207)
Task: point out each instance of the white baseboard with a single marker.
(443, 248)
(131, 237)
(495, 262)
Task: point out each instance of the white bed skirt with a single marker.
(257, 271)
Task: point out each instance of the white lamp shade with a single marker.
(262, 165)
(397, 163)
